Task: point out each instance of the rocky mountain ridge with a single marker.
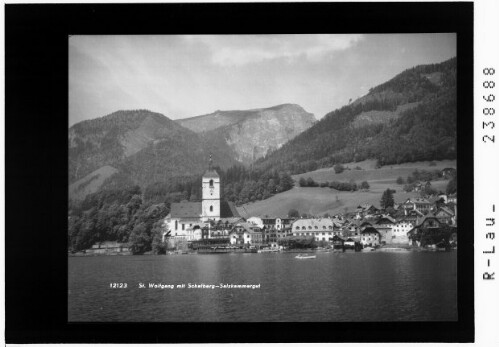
(252, 134)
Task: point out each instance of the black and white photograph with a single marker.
(262, 178)
(249, 173)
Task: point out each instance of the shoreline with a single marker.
(377, 250)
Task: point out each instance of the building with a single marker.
(322, 229)
(400, 230)
(256, 220)
(186, 219)
(418, 204)
(277, 223)
(430, 231)
(246, 234)
(272, 236)
(445, 215)
(384, 225)
(366, 210)
(370, 237)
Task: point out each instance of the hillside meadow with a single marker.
(318, 201)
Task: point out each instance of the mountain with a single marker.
(411, 117)
(136, 147)
(252, 134)
(140, 147)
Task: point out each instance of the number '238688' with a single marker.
(489, 111)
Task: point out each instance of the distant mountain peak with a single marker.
(253, 133)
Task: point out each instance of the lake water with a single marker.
(375, 286)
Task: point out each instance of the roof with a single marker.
(211, 174)
(446, 210)
(320, 223)
(186, 210)
(248, 227)
(228, 209)
(369, 230)
(230, 220)
(425, 218)
(388, 218)
(418, 201)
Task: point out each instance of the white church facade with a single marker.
(185, 220)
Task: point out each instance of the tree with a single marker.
(302, 182)
(364, 185)
(286, 182)
(311, 182)
(387, 199)
(452, 186)
(140, 240)
(338, 168)
(158, 246)
(400, 180)
(409, 187)
(293, 213)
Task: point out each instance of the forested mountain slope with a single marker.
(411, 117)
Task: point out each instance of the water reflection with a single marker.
(333, 287)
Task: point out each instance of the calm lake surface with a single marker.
(375, 286)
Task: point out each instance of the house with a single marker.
(385, 233)
(337, 242)
(246, 234)
(365, 210)
(385, 221)
(256, 220)
(365, 224)
(272, 236)
(418, 204)
(351, 228)
(370, 237)
(277, 223)
(322, 229)
(429, 231)
(445, 215)
(400, 230)
(350, 243)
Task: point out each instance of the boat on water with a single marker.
(225, 249)
(305, 256)
(393, 249)
(269, 250)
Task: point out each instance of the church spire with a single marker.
(210, 163)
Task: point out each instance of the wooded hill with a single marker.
(421, 125)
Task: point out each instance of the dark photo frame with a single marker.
(36, 70)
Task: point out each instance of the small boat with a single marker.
(305, 256)
(268, 250)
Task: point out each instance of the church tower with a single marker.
(211, 195)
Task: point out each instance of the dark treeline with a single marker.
(124, 212)
(350, 186)
(238, 184)
(121, 215)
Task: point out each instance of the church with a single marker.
(187, 218)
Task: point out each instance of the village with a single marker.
(214, 225)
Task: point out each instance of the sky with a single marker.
(184, 76)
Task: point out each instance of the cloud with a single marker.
(239, 50)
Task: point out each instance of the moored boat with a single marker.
(305, 256)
